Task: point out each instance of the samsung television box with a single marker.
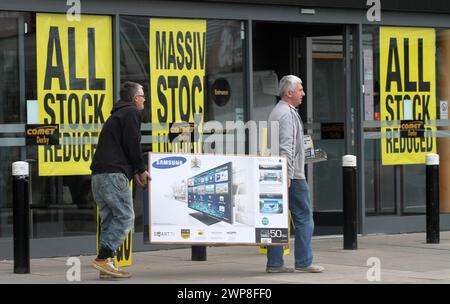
(211, 199)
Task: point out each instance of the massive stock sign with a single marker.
(177, 75)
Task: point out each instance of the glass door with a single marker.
(325, 118)
(329, 116)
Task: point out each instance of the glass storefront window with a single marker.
(443, 123)
(10, 111)
(379, 187)
(59, 205)
(9, 86)
(8, 155)
(400, 189)
(224, 51)
(63, 205)
(224, 60)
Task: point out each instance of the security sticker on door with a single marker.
(444, 109)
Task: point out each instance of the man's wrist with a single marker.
(141, 170)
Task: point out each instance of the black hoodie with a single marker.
(119, 144)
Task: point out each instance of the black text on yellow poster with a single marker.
(177, 77)
(407, 93)
(74, 79)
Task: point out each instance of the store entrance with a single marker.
(315, 53)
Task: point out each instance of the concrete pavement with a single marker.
(403, 258)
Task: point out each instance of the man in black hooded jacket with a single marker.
(118, 158)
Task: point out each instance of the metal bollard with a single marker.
(21, 217)
(349, 201)
(198, 253)
(432, 189)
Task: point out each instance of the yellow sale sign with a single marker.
(407, 94)
(177, 76)
(75, 88)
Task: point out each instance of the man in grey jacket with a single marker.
(291, 146)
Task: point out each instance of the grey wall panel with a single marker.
(72, 246)
(403, 224)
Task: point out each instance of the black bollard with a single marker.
(432, 188)
(198, 253)
(21, 217)
(349, 201)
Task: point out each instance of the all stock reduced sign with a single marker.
(408, 94)
(74, 78)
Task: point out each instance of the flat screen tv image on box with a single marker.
(209, 193)
(270, 174)
(271, 203)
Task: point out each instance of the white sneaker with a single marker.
(311, 268)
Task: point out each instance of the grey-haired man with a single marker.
(118, 158)
(291, 146)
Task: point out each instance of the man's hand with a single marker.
(142, 179)
(289, 183)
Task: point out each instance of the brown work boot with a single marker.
(107, 267)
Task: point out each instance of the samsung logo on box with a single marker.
(169, 162)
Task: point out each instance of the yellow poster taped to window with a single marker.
(407, 94)
(74, 79)
(177, 82)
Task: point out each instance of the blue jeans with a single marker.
(301, 213)
(113, 196)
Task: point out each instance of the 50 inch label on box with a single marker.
(272, 235)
